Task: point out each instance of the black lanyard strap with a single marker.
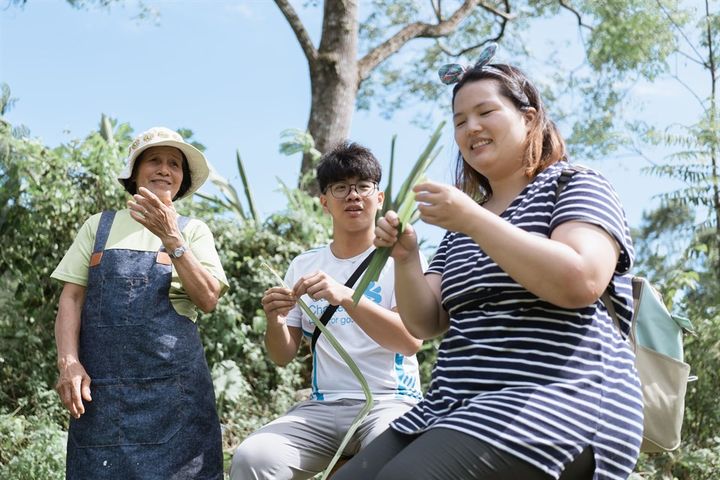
(330, 310)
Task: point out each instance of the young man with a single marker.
(301, 443)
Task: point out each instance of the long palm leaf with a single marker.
(350, 363)
(403, 204)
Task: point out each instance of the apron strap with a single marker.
(101, 236)
(103, 231)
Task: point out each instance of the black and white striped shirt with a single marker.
(533, 379)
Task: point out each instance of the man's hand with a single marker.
(320, 285)
(277, 303)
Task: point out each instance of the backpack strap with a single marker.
(330, 310)
(607, 301)
(565, 175)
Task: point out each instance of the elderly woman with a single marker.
(132, 368)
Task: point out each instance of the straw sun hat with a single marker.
(159, 137)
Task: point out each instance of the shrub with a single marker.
(31, 448)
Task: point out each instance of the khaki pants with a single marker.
(302, 442)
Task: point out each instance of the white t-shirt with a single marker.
(390, 375)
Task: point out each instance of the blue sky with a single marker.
(233, 73)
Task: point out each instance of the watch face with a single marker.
(178, 252)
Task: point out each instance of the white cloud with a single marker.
(660, 88)
(243, 10)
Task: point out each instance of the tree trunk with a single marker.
(334, 80)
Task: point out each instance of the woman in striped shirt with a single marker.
(533, 380)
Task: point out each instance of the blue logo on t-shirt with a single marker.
(374, 292)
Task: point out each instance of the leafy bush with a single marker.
(46, 195)
(31, 448)
(251, 390)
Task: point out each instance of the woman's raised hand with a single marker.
(444, 206)
(386, 235)
(156, 214)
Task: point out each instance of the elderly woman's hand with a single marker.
(156, 214)
(73, 386)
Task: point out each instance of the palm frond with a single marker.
(403, 205)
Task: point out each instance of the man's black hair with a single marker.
(347, 160)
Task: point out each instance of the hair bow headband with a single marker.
(453, 72)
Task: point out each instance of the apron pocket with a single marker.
(123, 301)
(130, 412)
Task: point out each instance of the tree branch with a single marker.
(564, 4)
(499, 13)
(437, 9)
(681, 32)
(693, 60)
(421, 30)
(300, 33)
(496, 38)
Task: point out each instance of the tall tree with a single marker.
(695, 161)
(385, 53)
(354, 57)
(678, 244)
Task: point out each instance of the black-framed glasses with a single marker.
(364, 188)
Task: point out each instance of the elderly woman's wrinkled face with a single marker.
(160, 170)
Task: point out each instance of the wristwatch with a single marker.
(178, 252)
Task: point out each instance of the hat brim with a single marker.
(197, 164)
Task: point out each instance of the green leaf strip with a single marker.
(404, 205)
(246, 187)
(350, 363)
(388, 189)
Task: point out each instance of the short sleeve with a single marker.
(73, 267)
(294, 316)
(589, 197)
(202, 243)
(437, 264)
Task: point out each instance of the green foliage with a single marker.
(297, 141)
(31, 448)
(46, 195)
(632, 36)
(677, 256)
(231, 200)
(678, 247)
(623, 40)
(250, 389)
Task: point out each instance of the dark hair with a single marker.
(545, 146)
(347, 160)
(131, 185)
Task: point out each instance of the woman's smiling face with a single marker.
(160, 171)
(490, 131)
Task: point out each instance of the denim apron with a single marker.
(152, 414)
